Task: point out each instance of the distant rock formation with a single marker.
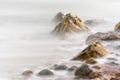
(93, 22)
(117, 27)
(68, 23)
(111, 35)
(94, 50)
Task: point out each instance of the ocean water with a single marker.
(25, 39)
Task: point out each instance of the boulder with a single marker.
(45, 72)
(69, 23)
(117, 27)
(61, 67)
(111, 35)
(93, 22)
(27, 73)
(94, 50)
(83, 71)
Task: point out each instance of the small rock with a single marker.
(91, 61)
(27, 73)
(96, 67)
(61, 67)
(83, 71)
(117, 74)
(113, 59)
(45, 72)
(95, 75)
(72, 68)
(113, 78)
(117, 27)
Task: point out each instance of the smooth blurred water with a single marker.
(25, 26)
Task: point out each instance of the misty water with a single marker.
(25, 39)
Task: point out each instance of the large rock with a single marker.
(94, 50)
(69, 23)
(83, 71)
(111, 35)
(117, 27)
(93, 22)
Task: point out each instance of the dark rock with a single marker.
(69, 24)
(27, 73)
(72, 68)
(91, 61)
(61, 67)
(45, 72)
(94, 50)
(93, 22)
(93, 75)
(111, 35)
(83, 71)
(117, 27)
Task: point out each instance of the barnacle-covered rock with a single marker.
(117, 27)
(69, 23)
(111, 35)
(94, 50)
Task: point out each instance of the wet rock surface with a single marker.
(45, 72)
(111, 35)
(69, 23)
(94, 50)
(27, 73)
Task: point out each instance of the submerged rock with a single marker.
(94, 22)
(91, 61)
(117, 27)
(45, 72)
(72, 68)
(69, 23)
(27, 73)
(83, 71)
(61, 67)
(111, 35)
(94, 50)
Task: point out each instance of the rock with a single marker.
(96, 67)
(45, 72)
(61, 67)
(93, 75)
(117, 74)
(93, 22)
(113, 78)
(69, 24)
(27, 73)
(91, 61)
(111, 35)
(94, 50)
(117, 27)
(83, 71)
(72, 68)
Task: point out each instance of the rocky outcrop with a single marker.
(117, 27)
(94, 50)
(111, 35)
(68, 23)
(93, 22)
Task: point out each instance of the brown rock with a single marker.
(91, 61)
(117, 27)
(27, 73)
(93, 75)
(96, 67)
(113, 78)
(94, 50)
(117, 74)
(69, 24)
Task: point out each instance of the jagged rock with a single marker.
(117, 27)
(94, 50)
(93, 22)
(93, 75)
(111, 35)
(72, 68)
(61, 67)
(91, 61)
(45, 72)
(83, 71)
(69, 23)
(27, 73)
